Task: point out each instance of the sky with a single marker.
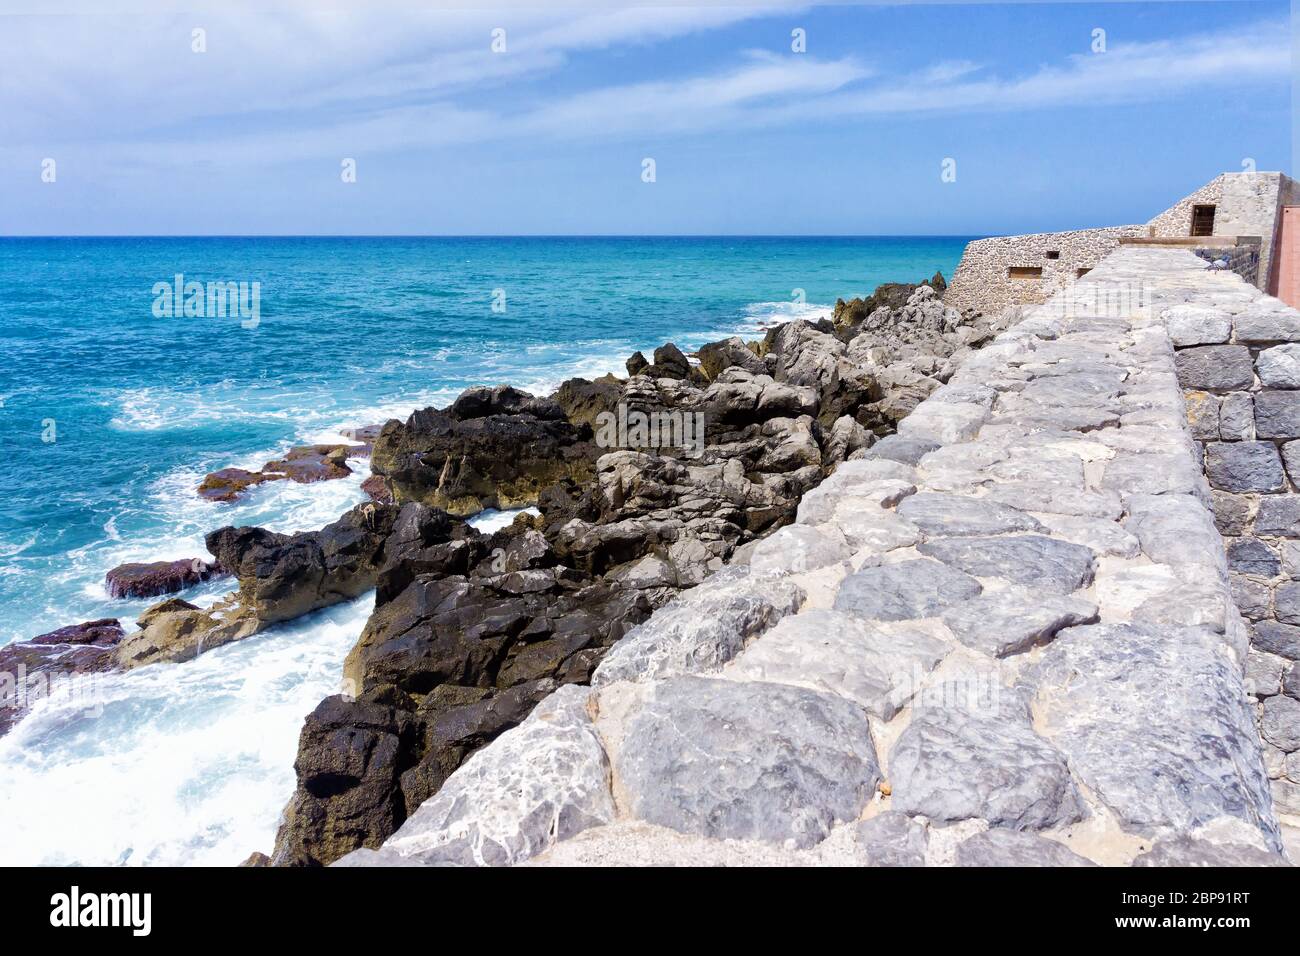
(1041, 122)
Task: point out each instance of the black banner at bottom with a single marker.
(338, 907)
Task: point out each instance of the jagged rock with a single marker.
(748, 760)
(158, 577)
(492, 448)
(997, 847)
(909, 589)
(227, 484)
(583, 401)
(716, 357)
(1030, 560)
(284, 576)
(349, 753)
(985, 763)
(174, 630)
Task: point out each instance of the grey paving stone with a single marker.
(1030, 560)
(745, 760)
(1215, 367)
(834, 652)
(908, 589)
(1155, 474)
(998, 847)
(944, 515)
(1174, 529)
(890, 839)
(1154, 723)
(797, 548)
(1244, 466)
(1102, 536)
(898, 448)
(701, 629)
(1189, 851)
(1013, 620)
(954, 764)
(1277, 415)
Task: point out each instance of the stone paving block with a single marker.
(1154, 722)
(908, 589)
(701, 629)
(997, 847)
(1013, 620)
(834, 652)
(1189, 851)
(1256, 326)
(944, 515)
(745, 760)
(1030, 560)
(954, 764)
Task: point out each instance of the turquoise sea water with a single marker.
(110, 416)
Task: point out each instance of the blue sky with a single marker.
(549, 136)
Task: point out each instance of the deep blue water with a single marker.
(352, 330)
(193, 763)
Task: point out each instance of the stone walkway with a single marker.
(1004, 637)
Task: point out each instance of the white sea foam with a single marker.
(187, 763)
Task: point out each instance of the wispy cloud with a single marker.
(332, 84)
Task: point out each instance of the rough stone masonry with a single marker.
(1005, 636)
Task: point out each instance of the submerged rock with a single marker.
(159, 577)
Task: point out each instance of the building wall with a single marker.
(983, 279)
(1246, 204)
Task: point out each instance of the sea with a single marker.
(114, 404)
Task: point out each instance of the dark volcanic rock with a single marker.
(493, 448)
(582, 401)
(282, 576)
(304, 464)
(227, 484)
(158, 577)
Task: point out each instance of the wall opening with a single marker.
(1202, 220)
(1080, 273)
(1054, 254)
(1024, 272)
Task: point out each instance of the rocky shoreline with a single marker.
(471, 630)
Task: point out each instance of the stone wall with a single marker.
(1004, 636)
(1241, 258)
(983, 278)
(1239, 363)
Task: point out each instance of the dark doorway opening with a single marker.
(1202, 220)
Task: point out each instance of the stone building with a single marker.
(1239, 218)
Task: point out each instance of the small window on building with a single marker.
(1024, 272)
(1080, 273)
(1054, 254)
(1202, 220)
